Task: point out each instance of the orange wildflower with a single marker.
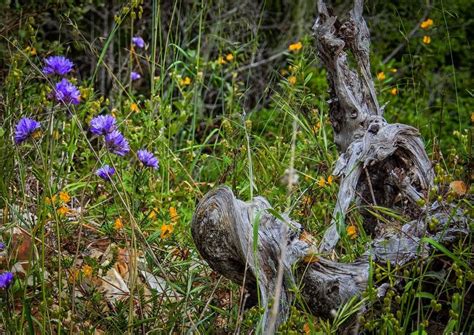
(118, 224)
(307, 328)
(380, 75)
(229, 57)
(321, 182)
(87, 270)
(173, 215)
(394, 91)
(134, 107)
(426, 39)
(295, 46)
(426, 24)
(330, 178)
(63, 210)
(64, 197)
(166, 230)
(351, 231)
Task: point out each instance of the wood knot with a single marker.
(374, 128)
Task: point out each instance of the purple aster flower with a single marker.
(147, 158)
(57, 65)
(135, 76)
(102, 124)
(138, 42)
(105, 172)
(2, 246)
(6, 279)
(117, 143)
(25, 128)
(66, 92)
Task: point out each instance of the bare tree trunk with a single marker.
(383, 164)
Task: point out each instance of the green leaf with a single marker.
(425, 295)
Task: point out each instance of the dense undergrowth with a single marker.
(219, 93)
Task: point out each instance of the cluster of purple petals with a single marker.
(147, 158)
(102, 125)
(135, 76)
(66, 92)
(24, 129)
(117, 143)
(138, 42)
(59, 65)
(105, 172)
(6, 279)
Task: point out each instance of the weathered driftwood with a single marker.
(380, 164)
(244, 241)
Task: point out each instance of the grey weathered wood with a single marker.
(223, 229)
(364, 137)
(380, 163)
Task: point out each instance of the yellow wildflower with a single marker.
(283, 72)
(221, 60)
(380, 75)
(185, 82)
(51, 200)
(426, 39)
(316, 127)
(351, 231)
(153, 213)
(292, 80)
(393, 70)
(321, 182)
(87, 270)
(134, 107)
(63, 210)
(229, 57)
(37, 134)
(173, 215)
(306, 200)
(394, 91)
(330, 178)
(33, 52)
(118, 224)
(426, 24)
(64, 197)
(295, 46)
(56, 134)
(166, 230)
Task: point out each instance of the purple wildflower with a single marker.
(2, 246)
(102, 124)
(105, 172)
(147, 158)
(25, 128)
(117, 143)
(135, 75)
(138, 42)
(66, 92)
(6, 279)
(57, 65)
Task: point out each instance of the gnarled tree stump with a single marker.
(383, 164)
